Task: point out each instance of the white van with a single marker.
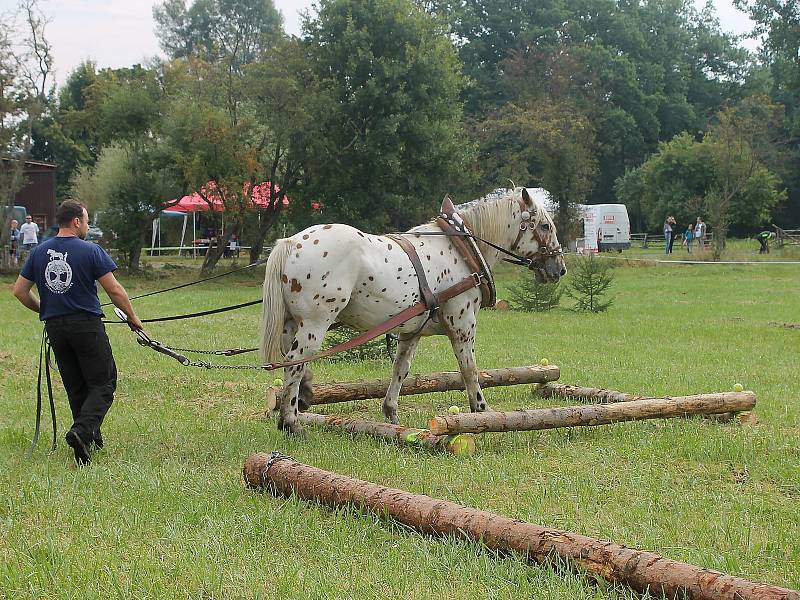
(605, 227)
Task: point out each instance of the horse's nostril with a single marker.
(563, 271)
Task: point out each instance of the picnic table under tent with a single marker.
(194, 203)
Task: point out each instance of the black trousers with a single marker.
(87, 368)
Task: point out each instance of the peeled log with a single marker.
(595, 414)
(329, 393)
(460, 444)
(551, 390)
(641, 570)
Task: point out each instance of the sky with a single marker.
(119, 33)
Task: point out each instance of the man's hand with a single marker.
(134, 323)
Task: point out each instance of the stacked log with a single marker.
(641, 570)
(596, 414)
(459, 444)
(329, 393)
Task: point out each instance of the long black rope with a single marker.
(183, 285)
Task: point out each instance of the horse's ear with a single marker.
(526, 198)
(447, 206)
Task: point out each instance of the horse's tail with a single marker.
(273, 313)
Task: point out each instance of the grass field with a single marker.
(162, 512)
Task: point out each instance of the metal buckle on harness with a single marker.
(477, 278)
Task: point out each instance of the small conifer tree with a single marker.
(589, 282)
(528, 295)
(378, 349)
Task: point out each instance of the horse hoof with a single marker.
(294, 428)
(391, 416)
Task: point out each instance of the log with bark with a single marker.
(329, 393)
(460, 444)
(595, 414)
(639, 569)
(562, 390)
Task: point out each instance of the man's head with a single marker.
(699, 219)
(72, 216)
(28, 218)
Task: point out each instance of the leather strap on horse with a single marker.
(454, 226)
(427, 295)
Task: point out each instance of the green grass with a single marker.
(163, 511)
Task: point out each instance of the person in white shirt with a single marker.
(29, 233)
(700, 234)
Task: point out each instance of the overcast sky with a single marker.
(119, 33)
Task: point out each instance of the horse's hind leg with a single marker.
(402, 363)
(462, 338)
(306, 394)
(308, 337)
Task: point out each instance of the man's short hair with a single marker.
(68, 210)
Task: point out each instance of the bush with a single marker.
(373, 350)
(528, 295)
(590, 280)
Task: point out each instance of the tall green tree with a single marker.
(238, 31)
(26, 61)
(388, 142)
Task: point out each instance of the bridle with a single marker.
(538, 260)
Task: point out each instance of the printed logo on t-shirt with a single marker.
(58, 273)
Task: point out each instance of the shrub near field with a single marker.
(163, 511)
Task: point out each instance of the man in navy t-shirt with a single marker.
(66, 269)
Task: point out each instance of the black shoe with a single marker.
(82, 456)
(98, 440)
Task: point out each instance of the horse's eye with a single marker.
(545, 226)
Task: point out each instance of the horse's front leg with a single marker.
(461, 332)
(402, 363)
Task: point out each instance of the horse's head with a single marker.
(537, 240)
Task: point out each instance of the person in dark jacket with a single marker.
(65, 270)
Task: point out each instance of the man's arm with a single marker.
(120, 299)
(23, 291)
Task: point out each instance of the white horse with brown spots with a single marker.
(336, 273)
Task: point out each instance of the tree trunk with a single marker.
(329, 393)
(268, 220)
(214, 253)
(596, 414)
(460, 445)
(643, 571)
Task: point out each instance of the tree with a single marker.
(743, 185)
(218, 30)
(724, 176)
(25, 67)
(281, 90)
(589, 282)
(388, 142)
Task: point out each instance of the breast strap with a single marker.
(455, 226)
(427, 295)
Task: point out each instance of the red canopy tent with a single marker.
(196, 203)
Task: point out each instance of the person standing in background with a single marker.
(700, 234)
(13, 242)
(30, 234)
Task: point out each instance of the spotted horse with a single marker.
(335, 273)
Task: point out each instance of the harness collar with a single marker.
(450, 222)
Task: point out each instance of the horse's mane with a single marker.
(488, 217)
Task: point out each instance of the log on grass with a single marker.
(329, 393)
(459, 444)
(562, 390)
(641, 570)
(595, 414)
